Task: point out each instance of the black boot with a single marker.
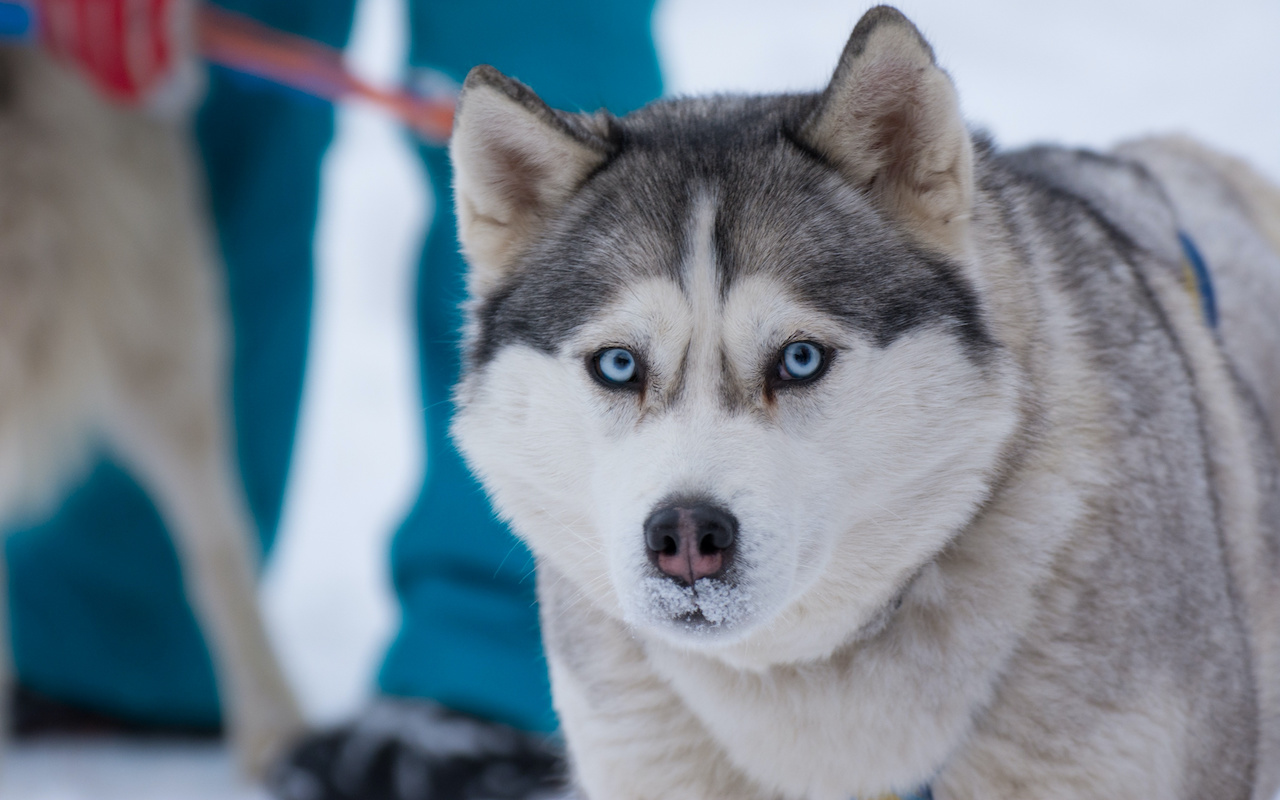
(403, 749)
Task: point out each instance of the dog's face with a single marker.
(727, 389)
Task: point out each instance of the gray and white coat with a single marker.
(1019, 537)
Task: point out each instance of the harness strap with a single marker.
(1197, 280)
(922, 794)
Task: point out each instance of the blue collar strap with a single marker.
(1195, 276)
(922, 794)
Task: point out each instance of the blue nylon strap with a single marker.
(921, 794)
(1199, 282)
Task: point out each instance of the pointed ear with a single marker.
(890, 121)
(515, 161)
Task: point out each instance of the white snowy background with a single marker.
(1085, 72)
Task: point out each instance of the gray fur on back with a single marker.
(1160, 589)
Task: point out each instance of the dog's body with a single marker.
(112, 334)
(858, 457)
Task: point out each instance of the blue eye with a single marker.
(616, 366)
(800, 361)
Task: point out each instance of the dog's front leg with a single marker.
(630, 736)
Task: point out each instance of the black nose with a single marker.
(691, 539)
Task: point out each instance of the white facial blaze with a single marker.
(702, 293)
(690, 446)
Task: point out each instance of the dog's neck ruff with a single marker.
(1196, 278)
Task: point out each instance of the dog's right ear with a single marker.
(515, 161)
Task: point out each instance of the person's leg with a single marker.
(469, 638)
(470, 633)
(98, 612)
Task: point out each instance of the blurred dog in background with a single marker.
(113, 334)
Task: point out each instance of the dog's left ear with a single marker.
(890, 121)
(515, 161)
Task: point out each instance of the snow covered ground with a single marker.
(122, 770)
(1086, 72)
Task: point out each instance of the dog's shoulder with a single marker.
(1119, 193)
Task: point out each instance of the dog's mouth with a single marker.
(709, 605)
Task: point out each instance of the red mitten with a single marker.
(132, 50)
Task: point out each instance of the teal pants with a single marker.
(97, 611)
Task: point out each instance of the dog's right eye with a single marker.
(800, 362)
(616, 367)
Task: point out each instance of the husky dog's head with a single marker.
(727, 370)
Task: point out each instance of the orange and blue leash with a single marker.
(243, 45)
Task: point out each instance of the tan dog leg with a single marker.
(179, 450)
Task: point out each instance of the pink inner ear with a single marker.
(515, 175)
(888, 101)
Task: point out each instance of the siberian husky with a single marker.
(112, 332)
(858, 456)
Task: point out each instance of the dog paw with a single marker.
(259, 745)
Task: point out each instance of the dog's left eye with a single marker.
(616, 366)
(801, 361)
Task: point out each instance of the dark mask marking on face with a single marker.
(780, 210)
